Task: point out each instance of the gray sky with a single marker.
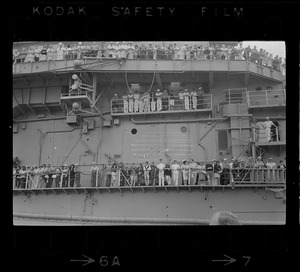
(275, 48)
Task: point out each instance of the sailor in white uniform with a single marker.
(159, 102)
(130, 101)
(136, 97)
(161, 167)
(194, 99)
(175, 167)
(267, 126)
(186, 96)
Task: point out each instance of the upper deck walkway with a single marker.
(146, 65)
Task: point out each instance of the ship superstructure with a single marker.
(72, 111)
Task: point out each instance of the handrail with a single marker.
(274, 97)
(158, 104)
(189, 176)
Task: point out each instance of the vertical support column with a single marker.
(97, 175)
(267, 102)
(95, 77)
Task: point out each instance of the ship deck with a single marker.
(78, 190)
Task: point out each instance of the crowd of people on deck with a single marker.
(160, 101)
(157, 51)
(114, 174)
(45, 176)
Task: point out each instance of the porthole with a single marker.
(133, 131)
(183, 129)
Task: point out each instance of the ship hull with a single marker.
(148, 205)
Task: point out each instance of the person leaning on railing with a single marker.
(271, 166)
(259, 169)
(125, 102)
(108, 171)
(49, 179)
(217, 168)
(186, 96)
(225, 175)
(234, 165)
(185, 171)
(193, 172)
(114, 170)
(95, 172)
(56, 177)
(281, 168)
(77, 175)
(65, 176)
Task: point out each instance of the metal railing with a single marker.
(125, 177)
(133, 53)
(266, 98)
(237, 95)
(164, 104)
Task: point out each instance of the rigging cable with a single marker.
(154, 72)
(93, 118)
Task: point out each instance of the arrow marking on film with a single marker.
(229, 260)
(90, 260)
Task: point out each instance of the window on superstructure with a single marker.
(222, 139)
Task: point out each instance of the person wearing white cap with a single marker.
(60, 52)
(95, 173)
(194, 98)
(186, 96)
(267, 126)
(181, 53)
(125, 102)
(161, 167)
(260, 166)
(159, 101)
(259, 163)
(136, 97)
(130, 97)
(175, 172)
(185, 170)
(271, 166)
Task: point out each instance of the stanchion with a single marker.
(97, 171)
(26, 184)
(61, 180)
